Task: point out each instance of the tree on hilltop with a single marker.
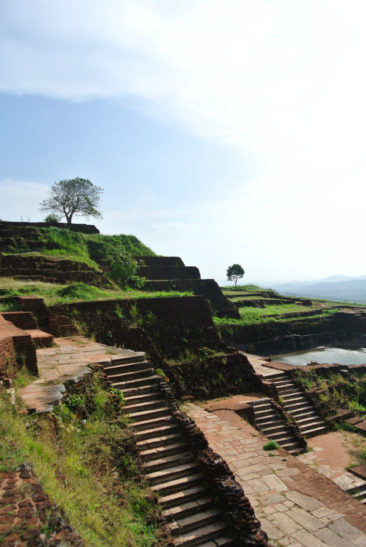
(73, 196)
(234, 272)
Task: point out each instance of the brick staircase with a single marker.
(298, 406)
(170, 467)
(274, 426)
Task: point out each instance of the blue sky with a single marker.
(220, 131)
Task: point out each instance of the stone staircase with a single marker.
(274, 426)
(298, 406)
(170, 466)
(358, 492)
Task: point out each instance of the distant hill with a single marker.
(336, 287)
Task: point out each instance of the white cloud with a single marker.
(282, 80)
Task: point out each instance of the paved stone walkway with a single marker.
(68, 360)
(296, 506)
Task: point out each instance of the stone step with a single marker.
(310, 418)
(262, 406)
(148, 433)
(222, 541)
(302, 413)
(150, 414)
(194, 521)
(149, 389)
(284, 384)
(263, 413)
(149, 454)
(186, 488)
(142, 382)
(358, 492)
(133, 357)
(260, 401)
(268, 430)
(154, 423)
(281, 438)
(290, 389)
(165, 463)
(114, 369)
(279, 376)
(142, 397)
(296, 406)
(175, 472)
(312, 431)
(294, 397)
(188, 508)
(196, 537)
(134, 375)
(274, 420)
(145, 405)
(158, 442)
(290, 444)
(185, 492)
(40, 338)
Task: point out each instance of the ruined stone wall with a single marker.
(213, 376)
(205, 287)
(173, 324)
(82, 228)
(50, 270)
(169, 272)
(16, 348)
(159, 261)
(21, 319)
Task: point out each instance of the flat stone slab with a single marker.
(68, 361)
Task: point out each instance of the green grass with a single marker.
(84, 458)
(75, 292)
(270, 445)
(259, 318)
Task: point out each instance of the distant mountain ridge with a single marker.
(335, 287)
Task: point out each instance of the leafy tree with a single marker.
(234, 272)
(73, 196)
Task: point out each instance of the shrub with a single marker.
(52, 219)
(271, 445)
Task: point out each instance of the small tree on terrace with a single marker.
(73, 196)
(234, 272)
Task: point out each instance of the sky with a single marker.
(222, 131)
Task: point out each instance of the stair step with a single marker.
(153, 413)
(149, 389)
(149, 454)
(313, 431)
(188, 508)
(269, 429)
(262, 413)
(142, 397)
(155, 432)
(193, 522)
(145, 405)
(222, 541)
(175, 472)
(134, 357)
(111, 370)
(142, 382)
(282, 438)
(158, 442)
(290, 389)
(196, 537)
(135, 375)
(183, 495)
(165, 463)
(293, 398)
(309, 411)
(292, 444)
(296, 406)
(175, 485)
(154, 423)
(260, 401)
(311, 418)
(310, 422)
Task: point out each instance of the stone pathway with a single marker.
(68, 360)
(296, 506)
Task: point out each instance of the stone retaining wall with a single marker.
(82, 228)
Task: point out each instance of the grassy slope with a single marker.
(93, 249)
(274, 312)
(83, 455)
